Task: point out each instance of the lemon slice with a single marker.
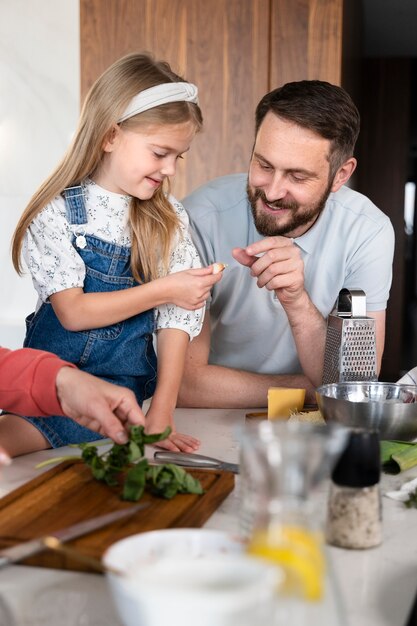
(298, 551)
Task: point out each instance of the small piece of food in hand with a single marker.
(218, 267)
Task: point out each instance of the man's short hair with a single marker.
(323, 108)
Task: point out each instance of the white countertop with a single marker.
(377, 585)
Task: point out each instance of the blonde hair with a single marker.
(153, 222)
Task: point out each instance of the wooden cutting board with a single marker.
(68, 494)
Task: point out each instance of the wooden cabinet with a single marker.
(234, 50)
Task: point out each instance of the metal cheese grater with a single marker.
(350, 353)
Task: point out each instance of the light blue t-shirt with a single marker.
(351, 245)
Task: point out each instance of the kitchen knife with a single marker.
(195, 460)
(28, 548)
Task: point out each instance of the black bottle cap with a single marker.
(360, 463)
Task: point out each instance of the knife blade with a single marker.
(28, 548)
(195, 460)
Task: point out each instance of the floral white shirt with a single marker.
(55, 264)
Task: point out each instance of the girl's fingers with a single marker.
(178, 442)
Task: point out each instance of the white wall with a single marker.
(39, 106)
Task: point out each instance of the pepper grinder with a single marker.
(354, 514)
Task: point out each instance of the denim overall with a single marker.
(122, 353)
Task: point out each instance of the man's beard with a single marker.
(267, 225)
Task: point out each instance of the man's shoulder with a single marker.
(355, 205)
(218, 195)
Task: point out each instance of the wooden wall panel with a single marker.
(222, 47)
(306, 41)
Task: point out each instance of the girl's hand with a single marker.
(190, 289)
(177, 442)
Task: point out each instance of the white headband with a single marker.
(161, 94)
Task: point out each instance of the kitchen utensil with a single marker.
(52, 543)
(389, 408)
(28, 548)
(350, 352)
(195, 460)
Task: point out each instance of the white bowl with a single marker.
(184, 577)
(150, 546)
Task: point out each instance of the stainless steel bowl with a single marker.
(388, 407)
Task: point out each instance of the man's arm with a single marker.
(205, 385)
(309, 332)
(379, 317)
(276, 265)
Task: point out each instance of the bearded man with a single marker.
(293, 235)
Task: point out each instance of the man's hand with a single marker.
(280, 268)
(276, 263)
(97, 404)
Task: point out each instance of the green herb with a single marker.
(412, 500)
(128, 460)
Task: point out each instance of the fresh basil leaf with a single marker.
(178, 472)
(186, 482)
(153, 472)
(89, 454)
(162, 480)
(98, 468)
(135, 453)
(135, 481)
(157, 436)
(191, 485)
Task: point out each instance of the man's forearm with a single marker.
(222, 387)
(309, 328)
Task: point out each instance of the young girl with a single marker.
(105, 246)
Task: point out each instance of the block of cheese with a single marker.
(311, 417)
(283, 401)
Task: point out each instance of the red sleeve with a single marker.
(27, 381)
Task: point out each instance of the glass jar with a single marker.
(354, 512)
(282, 465)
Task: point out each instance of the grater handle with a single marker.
(351, 303)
